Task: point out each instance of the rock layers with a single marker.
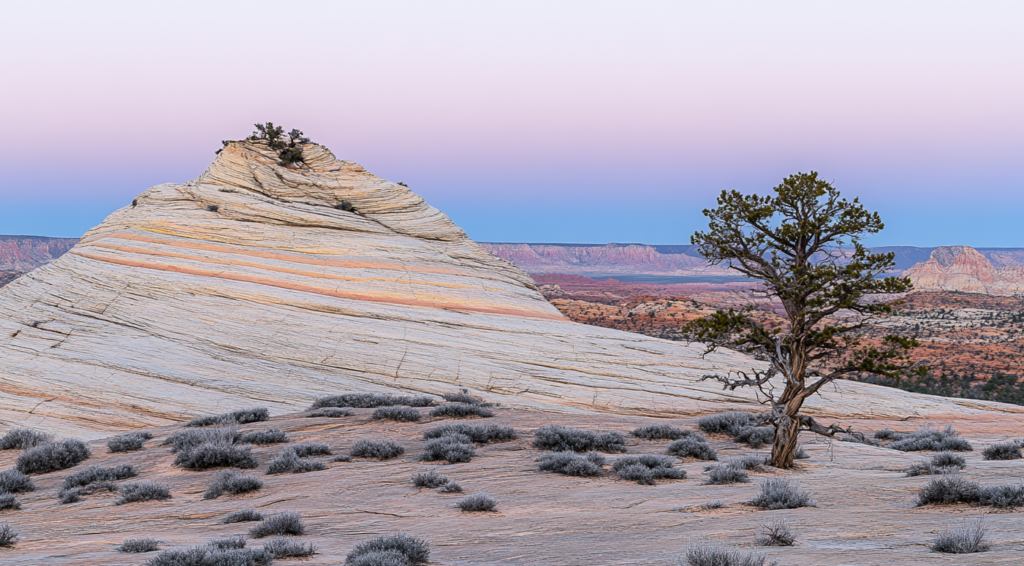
(964, 269)
(254, 283)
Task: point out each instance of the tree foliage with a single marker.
(804, 243)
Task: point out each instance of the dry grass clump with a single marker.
(429, 480)
(310, 448)
(666, 432)
(692, 448)
(329, 412)
(925, 438)
(775, 533)
(254, 415)
(397, 414)
(725, 474)
(478, 502)
(280, 524)
(74, 494)
(9, 501)
(210, 556)
(13, 481)
(462, 396)
(1002, 451)
(1002, 496)
(646, 468)
(290, 463)
(233, 541)
(707, 554)
(22, 438)
(52, 456)
(967, 539)
(450, 487)
(143, 491)
(571, 463)
(287, 548)
(480, 434)
(8, 536)
(94, 474)
(385, 550)
(941, 463)
(233, 483)
(128, 442)
(452, 449)
(264, 437)
(377, 449)
(750, 462)
(558, 438)
(243, 516)
(369, 401)
(138, 545)
(190, 438)
(780, 493)
(216, 455)
(461, 411)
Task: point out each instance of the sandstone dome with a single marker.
(249, 285)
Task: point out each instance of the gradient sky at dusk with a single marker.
(532, 121)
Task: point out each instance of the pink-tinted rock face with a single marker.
(25, 253)
(964, 269)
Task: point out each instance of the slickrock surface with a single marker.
(964, 269)
(248, 285)
(864, 512)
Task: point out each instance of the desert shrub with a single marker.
(137, 545)
(264, 437)
(380, 558)
(571, 463)
(243, 516)
(968, 539)
(557, 438)
(14, 481)
(330, 412)
(291, 156)
(52, 456)
(711, 505)
(412, 549)
(398, 414)
(429, 480)
(750, 462)
(128, 442)
(462, 396)
(450, 487)
(342, 458)
(378, 449)
(948, 489)
(143, 491)
(724, 474)
(369, 401)
(755, 436)
(478, 502)
(233, 541)
(190, 438)
(1002, 451)
(310, 448)
(8, 536)
(941, 463)
(232, 482)
(931, 439)
(257, 414)
(801, 454)
(775, 533)
(9, 501)
(68, 495)
(1002, 496)
(287, 548)
(646, 468)
(665, 432)
(345, 205)
(95, 474)
(780, 493)
(280, 524)
(481, 434)
(449, 448)
(22, 438)
(209, 556)
(290, 463)
(890, 434)
(211, 455)
(461, 411)
(692, 448)
(730, 423)
(708, 554)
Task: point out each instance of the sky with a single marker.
(578, 122)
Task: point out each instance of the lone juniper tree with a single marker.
(804, 245)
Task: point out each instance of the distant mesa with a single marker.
(965, 269)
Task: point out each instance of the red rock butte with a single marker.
(251, 285)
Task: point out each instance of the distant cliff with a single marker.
(25, 253)
(606, 259)
(965, 269)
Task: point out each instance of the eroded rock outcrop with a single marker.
(964, 269)
(254, 283)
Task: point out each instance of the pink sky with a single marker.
(532, 121)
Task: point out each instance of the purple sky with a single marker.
(532, 121)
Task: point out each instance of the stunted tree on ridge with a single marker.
(804, 245)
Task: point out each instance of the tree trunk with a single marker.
(787, 432)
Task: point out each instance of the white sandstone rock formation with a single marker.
(247, 286)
